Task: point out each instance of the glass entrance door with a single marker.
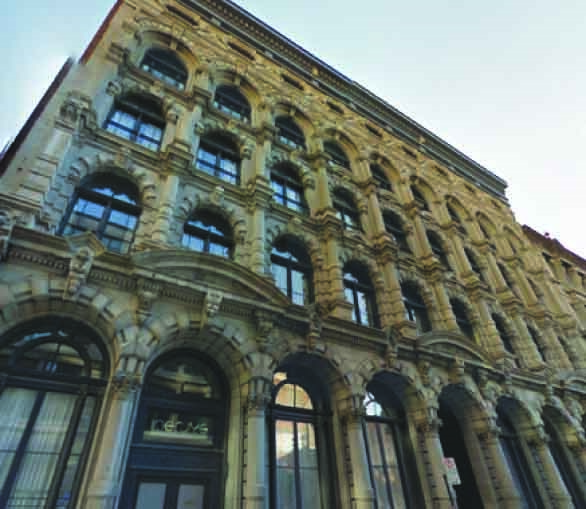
(156, 493)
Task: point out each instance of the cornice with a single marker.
(273, 45)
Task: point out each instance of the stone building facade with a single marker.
(232, 278)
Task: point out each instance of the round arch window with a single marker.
(52, 377)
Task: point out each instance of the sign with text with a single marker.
(178, 427)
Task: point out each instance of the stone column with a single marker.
(363, 494)
(488, 329)
(168, 198)
(555, 350)
(441, 297)
(494, 274)
(256, 488)
(422, 247)
(462, 263)
(112, 445)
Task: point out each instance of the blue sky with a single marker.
(503, 81)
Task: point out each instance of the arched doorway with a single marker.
(453, 440)
(53, 373)
(176, 459)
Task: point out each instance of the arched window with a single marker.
(54, 374)
(380, 177)
(473, 261)
(462, 319)
(219, 156)
(455, 217)
(139, 119)
(289, 133)
(394, 226)
(178, 447)
(208, 232)
(415, 307)
(436, 244)
(288, 190)
(484, 229)
(506, 276)
(336, 154)
(537, 342)
(359, 292)
(297, 458)
(108, 206)
(291, 268)
(511, 445)
(390, 455)
(346, 210)
(230, 100)
(165, 65)
(501, 328)
(419, 198)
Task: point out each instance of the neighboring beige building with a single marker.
(232, 278)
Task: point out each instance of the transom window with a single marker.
(291, 268)
(346, 210)
(230, 100)
(288, 190)
(289, 133)
(106, 205)
(138, 119)
(296, 471)
(359, 292)
(462, 319)
(218, 156)
(415, 307)
(207, 232)
(394, 226)
(54, 374)
(165, 65)
(336, 154)
(378, 173)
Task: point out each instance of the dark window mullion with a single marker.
(289, 280)
(369, 459)
(297, 468)
(385, 465)
(19, 454)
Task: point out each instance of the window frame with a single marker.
(415, 308)
(302, 267)
(173, 65)
(230, 100)
(218, 147)
(380, 177)
(346, 210)
(461, 315)
(437, 248)
(394, 226)
(357, 287)
(209, 237)
(287, 179)
(336, 154)
(289, 133)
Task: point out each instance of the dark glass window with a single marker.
(288, 190)
(138, 119)
(291, 268)
(394, 226)
(455, 217)
(360, 293)
(484, 230)
(230, 100)
(218, 156)
(462, 318)
(435, 242)
(419, 198)
(336, 154)
(501, 328)
(296, 459)
(378, 173)
(474, 263)
(289, 133)
(506, 276)
(207, 232)
(106, 205)
(415, 307)
(54, 374)
(390, 454)
(165, 65)
(346, 210)
(537, 341)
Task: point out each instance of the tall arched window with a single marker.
(390, 454)
(462, 319)
(288, 190)
(53, 374)
(137, 118)
(289, 133)
(537, 342)
(415, 307)
(108, 206)
(208, 232)
(394, 226)
(380, 177)
(419, 198)
(177, 456)
(230, 100)
(455, 217)
(474, 265)
(512, 447)
(501, 328)
(506, 276)
(219, 156)
(336, 154)
(291, 268)
(298, 466)
(346, 209)
(437, 248)
(165, 65)
(360, 293)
